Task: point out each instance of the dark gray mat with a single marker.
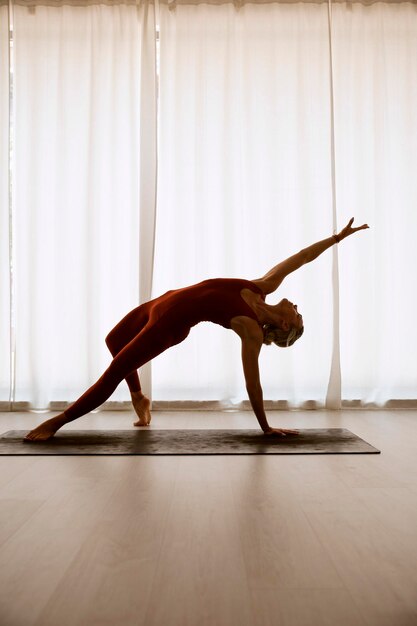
(183, 442)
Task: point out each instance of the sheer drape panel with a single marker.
(78, 121)
(148, 167)
(375, 74)
(4, 209)
(244, 180)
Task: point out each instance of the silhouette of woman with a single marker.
(155, 326)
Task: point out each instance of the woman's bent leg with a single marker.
(126, 330)
(116, 340)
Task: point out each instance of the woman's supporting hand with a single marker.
(280, 432)
(348, 230)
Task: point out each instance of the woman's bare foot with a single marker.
(46, 430)
(142, 405)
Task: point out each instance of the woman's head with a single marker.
(281, 338)
(282, 323)
(285, 324)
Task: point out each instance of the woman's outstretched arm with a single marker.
(272, 279)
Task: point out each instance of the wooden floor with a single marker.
(224, 541)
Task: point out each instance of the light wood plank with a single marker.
(110, 578)
(37, 555)
(304, 607)
(12, 466)
(280, 548)
(377, 566)
(14, 514)
(201, 577)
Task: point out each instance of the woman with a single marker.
(153, 327)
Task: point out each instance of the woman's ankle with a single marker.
(59, 420)
(137, 395)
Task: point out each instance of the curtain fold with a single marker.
(84, 109)
(148, 168)
(334, 388)
(5, 320)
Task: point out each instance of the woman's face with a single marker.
(289, 312)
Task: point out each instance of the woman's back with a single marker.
(216, 300)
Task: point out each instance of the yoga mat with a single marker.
(184, 442)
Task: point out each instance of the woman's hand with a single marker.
(348, 230)
(280, 432)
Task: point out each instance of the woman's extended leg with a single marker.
(151, 341)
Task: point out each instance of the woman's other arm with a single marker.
(252, 338)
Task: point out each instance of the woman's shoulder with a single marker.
(263, 285)
(260, 286)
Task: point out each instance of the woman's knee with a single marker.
(126, 330)
(110, 341)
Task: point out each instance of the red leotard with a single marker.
(155, 326)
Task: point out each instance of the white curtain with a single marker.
(84, 162)
(252, 167)
(245, 179)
